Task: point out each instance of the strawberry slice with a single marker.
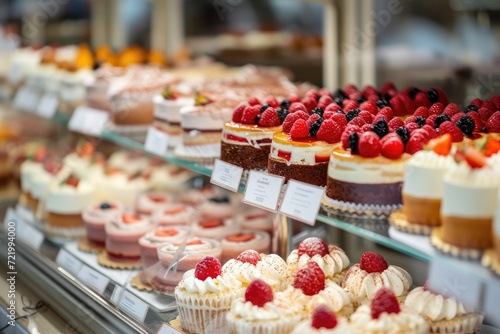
(474, 157)
(157, 198)
(211, 223)
(189, 243)
(72, 181)
(240, 237)
(174, 210)
(112, 171)
(441, 145)
(166, 233)
(492, 147)
(130, 219)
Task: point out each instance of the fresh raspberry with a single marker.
(412, 127)
(312, 246)
(366, 116)
(421, 111)
(288, 122)
(379, 117)
(325, 101)
(373, 262)
(249, 114)
(451, 109)
(436, 109)
(457, 116)
(384, 301)
(392, 146)
(422, 133)
(297, 106)
(300, 130)
(452, 129)
(485, 114)
(388, 112)
(350, 88)
(489, 105)
(442, 98)
(238, 112)
(253, 101)
(369, 89)
(330, 131)
(372, 97)
(350, 128)
(369, 106)
(272, 101)
(310, 279)
(395, 123)
(249, 256)
(324, 91)
(312, 94)
(409, 104)
(366, 127)
(312, 118)
(409, 120)
(495, 100)
(369, 145)
(398, 106)
(415, 144)
(332, 108)
(421, 100)
(477, 121)
(269, 118)
(477, 102)
(322, 317)
(338, 118)
(355, 96)
(259, 293)
(359, 121)
(349, 105)
(387, 87)
(309, 103)
(294, 98)
(431, 132)
(209, 266)
(431, 120)
(493, 123)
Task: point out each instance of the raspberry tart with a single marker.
(234, 244)
(324, 321)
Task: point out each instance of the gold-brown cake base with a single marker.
(491, 260)
(139, 282)
(422, 211)
(474, 233)
(398, 220)
(105, 261)
(28, 201)
(64, 220)
(465, 253)
(87, 246)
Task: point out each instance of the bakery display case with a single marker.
(152, 190)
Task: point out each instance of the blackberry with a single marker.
(264, 107)
(433, 95)
(318, 111)
(351, 114)
(413, 91)
(282, 113)
(361, 100)
(470, 108)
(382, 103)
(314, 127)
(420, 121)
(387, 97)
(285, 104)
(339, 93)
(353, 142)
(440, 119)
(222, 199)
(403, 133)
(380, 128)
(105, 206)
(466, 125)
(256, 120)
(338, 101)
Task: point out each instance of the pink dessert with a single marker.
(174, 214)
(215, 228)
(234, 244)
(122, 237)
(95, 218)
(257, 219)
(149, 202)
(218, 207)
(150, 242)
(196, 197)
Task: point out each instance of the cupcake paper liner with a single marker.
(465, 324)
(364, 211)
(398, 220)
(464, 253)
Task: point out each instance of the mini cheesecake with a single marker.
(148, 203)
(215, 228)
(122, 237)
(150, 242)
(97, 216)
(234, 244)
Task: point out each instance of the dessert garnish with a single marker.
(209, 266)
(40, 154)
(312, 246)
(71, 181)
(169, 94)
(166, 232)
(85, 148)
(157, 198)
(310, 279)
(249, 256)
(130, 219)
(106, 206)
(323, 317)
(259, 293)
(240, 237)
(174, 210)
(441, 145)
(384, 301)
(200, 99)
(373, 262)
(211, 223)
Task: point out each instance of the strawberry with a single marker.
(249, 256)
(369, 145)
(312, 246)
(313, 118)
(412, 127)
(421, 100)
(259, 293)
(72, 181)
(491, 147)
(366, 116)
(392, 146)
(209, 266)
(477, 102)
(431, 120)
(269, 118)
(436, 109)
(272, 101)
(457, 116)
(449, 127)
(299, 130)
(329, 131)
(493, 123)
(325, 101)
(369, 106)
(288, 122)
(240, 237)
(130, 219)
(384, 301)
(211, 223)
(474, 157)
(166, 232)
(441, 145)
(322, 317)
(310, 279)
(332, 107)
(297, 106)
(253, 101)
(485, 114)
(238, 112)
(415, 144)
(451, 109)
(395, 123)
(373, 262)
(249, 114)
(359, 121)
(350, 128)
(309, 103)
(338, 118)
(421, 111)
(386, 111)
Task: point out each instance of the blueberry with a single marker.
(105, 206)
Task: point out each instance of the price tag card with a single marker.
(226, 175)
(133, 306)
(302, 201)
(48, 105)
(447, 279)
(30, 236)
(93, 279)
(156, 142)
(68, 262)
(88, 121)
(166, 329)
(26, 99)
(492, 302)
(263, 190)
(117, 294)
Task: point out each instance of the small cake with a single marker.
(257, 219)
(204, 297)
(122, 237)
(384, 315)
(363, 279)
(79, 161)
(97, 216)
(331, 259)
(148, 203)
(174, 214)
(120, 186)
(234, 244)
(131, 162)
(28, 170)
(153, 239)
(250, 265)
(215, 228)
(444, 315)
(170, 178)
(196, 197)
(218, 207)
(261, 311)
(324, 321)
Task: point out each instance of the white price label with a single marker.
(156, 142)
(263, 190)
(226, 175)
(93, 279)
(302, 201)
(133, 306)
(30, 236)
(48, 105)
(117, 294)
(68, 262)
(88, 121)
(166, 329)
(25, 214)
(26, 99)
(492, 302)
(15, 73)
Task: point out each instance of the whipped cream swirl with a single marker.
(388, 323)
(216, 285)
(433, 306)
(271, 269)
(332, 263)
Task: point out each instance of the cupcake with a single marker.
(215, 228)
(97, 216)
(174, 214)
(324, 321)
(150, 242)
(261, 312)
(147, 203)
(384, 315)
(204, 297)
(250, 265)
(234, 244)
(444, 315)
(372, 273)
(331, 259)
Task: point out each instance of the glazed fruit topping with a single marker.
(313, 246)
(491, 146)
(174, 210)
(259, 293)
(310, 279)
(329, 131)
(373, 262)
(249, 256)
(441, 145)
(130, 219)
(452, 129)
(493, 123)
(238, 113)
(384, 301)
(269, 118)
(85, 149)
(166, 232)
(157, 198)
(392, 147)
(323, 317)
(249, 114)
(209, 266)
(240, 237)
(72, 181)
(211, 223)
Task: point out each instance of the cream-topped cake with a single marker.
(117, 185)
(256, 219)
(122, 237)
(80, 160)
(324, 321)
(170, 178)
(215, 228)
(97, 216)
(148, 203)
(174, 214)
(234, 244)
(220, 206)
(155, 238)
(167, 107)
(130, 161)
